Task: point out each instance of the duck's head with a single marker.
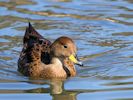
(63, 48)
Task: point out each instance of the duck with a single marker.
(40, 58)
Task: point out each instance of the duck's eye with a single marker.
(65, 46)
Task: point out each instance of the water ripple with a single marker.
(103, 32)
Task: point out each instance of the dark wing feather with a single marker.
(30, 40)
(31, 36)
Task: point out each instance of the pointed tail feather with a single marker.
(31, 32)
(31, 36)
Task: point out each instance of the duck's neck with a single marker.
(60, 65)
(56, 61)
(70, 65)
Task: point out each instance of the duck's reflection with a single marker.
(56, 90)
(59, 93)
(56, 87)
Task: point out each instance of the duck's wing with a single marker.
(34, 47)
(31, 38)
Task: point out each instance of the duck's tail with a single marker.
(31, 33)
(32, 36)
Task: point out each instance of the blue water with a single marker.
(103, 32)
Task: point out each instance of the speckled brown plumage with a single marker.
(40, 58)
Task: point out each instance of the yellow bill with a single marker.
(73, 59)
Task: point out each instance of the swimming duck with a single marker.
(41, 58)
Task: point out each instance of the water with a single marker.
(103, 32)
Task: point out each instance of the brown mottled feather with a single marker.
(34, 51)
(40, 58)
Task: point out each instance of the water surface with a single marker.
(103, 32)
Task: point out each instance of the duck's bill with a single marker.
(73, 59)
